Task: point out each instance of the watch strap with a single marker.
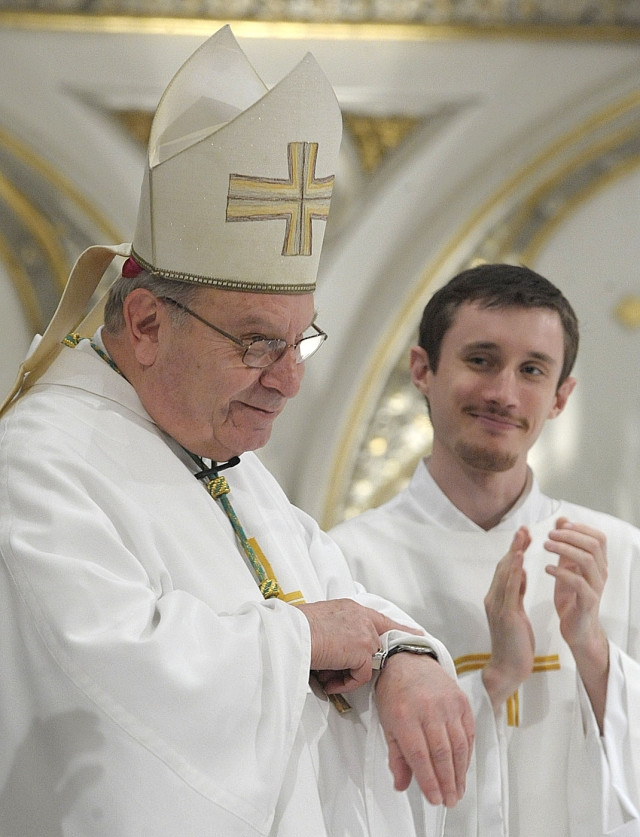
(380, 657)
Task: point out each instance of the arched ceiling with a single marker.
(473, 129)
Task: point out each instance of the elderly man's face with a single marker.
(200, 391)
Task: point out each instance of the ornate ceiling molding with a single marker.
(376, 20)
(375, 137)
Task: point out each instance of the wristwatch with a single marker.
(380, 658)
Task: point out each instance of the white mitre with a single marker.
(236, 189)
(238, 178)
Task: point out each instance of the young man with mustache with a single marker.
(545, 638)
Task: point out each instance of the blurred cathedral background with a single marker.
(496, 130)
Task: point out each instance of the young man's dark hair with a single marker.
(496, 286)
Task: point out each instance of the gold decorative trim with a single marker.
(22, 284)
(470, 662)
(627, 312)
(586, 140)
(530, 253)
(375, 136)
(23, 152)
(137, 123)
(476, 662)
(45, 231)
(311, 30)
(549, 663)
(228, 284)
(39, 227)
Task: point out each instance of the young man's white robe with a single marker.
(552, 774)
(146, 688)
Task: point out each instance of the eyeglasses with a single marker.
(260, 352)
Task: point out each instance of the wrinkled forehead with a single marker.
(259, 310)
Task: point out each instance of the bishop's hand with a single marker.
(512, 640)
(344, 637)
(428, 724)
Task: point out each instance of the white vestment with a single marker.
(146, 687)
(540, 767)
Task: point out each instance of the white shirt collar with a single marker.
(531, 506)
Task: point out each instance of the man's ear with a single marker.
(419, 365)
(562, 396)
(141, 312)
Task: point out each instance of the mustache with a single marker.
(498, 412)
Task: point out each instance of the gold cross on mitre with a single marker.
(297, 200)
(474, 662)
